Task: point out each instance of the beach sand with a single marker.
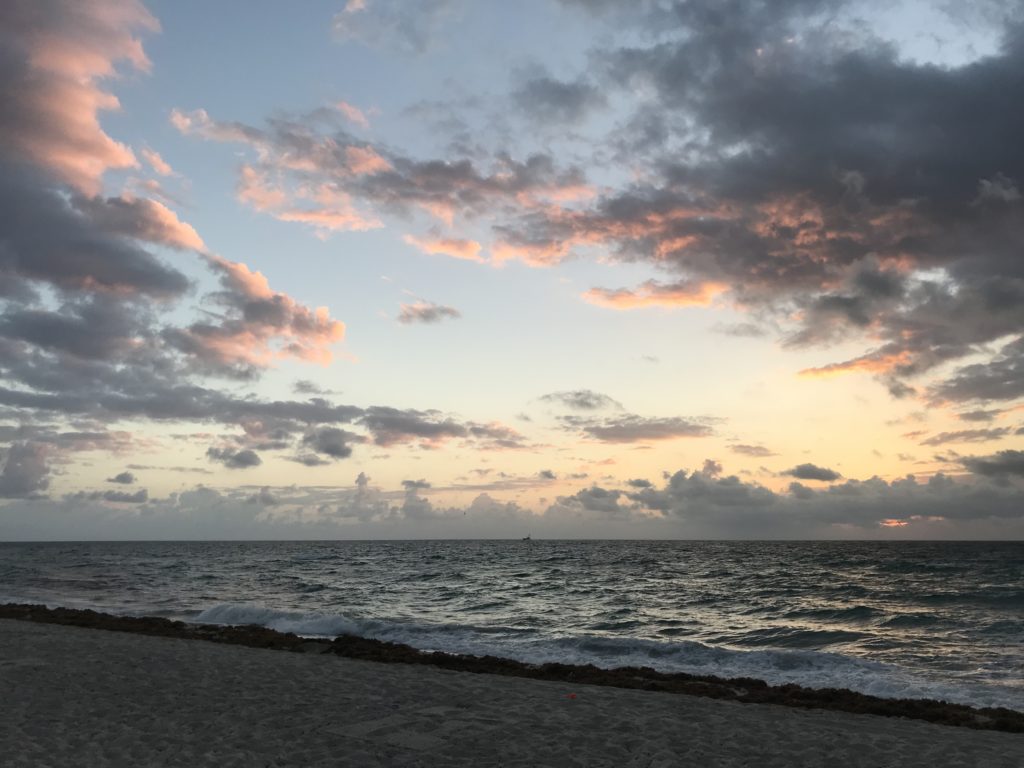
(84, 697)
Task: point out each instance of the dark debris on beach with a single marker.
(743, 690)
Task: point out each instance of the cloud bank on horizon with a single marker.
(695, 269)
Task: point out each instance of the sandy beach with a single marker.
(83, 697)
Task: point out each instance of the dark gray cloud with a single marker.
(309, 460)
(264, 498)
(89, 311)
(47, 240)
(582, 400)
(979, 415)
(687, 504)
(185, 470)
(784, 165)
(233, 459)
(547, 474)
(999, 379)
(602, 501)
(391, 425)
(334, 442)
(548, 100)
(631, 428)
(306, 387)
(813, 472)
(967, 436)
(125, 497)
(123, 478)
(426, 312)
(751, 450)
(26, 471)
(1000, 464)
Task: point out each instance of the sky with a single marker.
(360, 269)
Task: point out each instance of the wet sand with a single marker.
(84, 697)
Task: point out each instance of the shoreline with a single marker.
(739, 690)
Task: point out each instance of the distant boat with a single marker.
(526, 537)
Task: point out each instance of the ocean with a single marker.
(940, 620)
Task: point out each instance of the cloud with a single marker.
(26, 471)
(447, 246)
(258, 325)
(233, 459)
(813, 472)
(124, 497)
(307, 387)
(630, 428)
(547, 100)
(603, 502)
(979, 415)
(391, 425)
(57, 56)
(331, 441)
(140, 219)
(412, 28)
(999, 379)
(775, 164)
(264, 498)
(160, 166)
(582, 400)
(353, 114)
(687, 504)
(124, 478)
(999, 465)
(751, 450)
(655, 294)
(311, 170)
(426, 312)
(547, 474)
(967, 436)
(86, 244)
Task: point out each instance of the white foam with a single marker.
(815, 669)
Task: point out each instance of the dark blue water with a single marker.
(943, 620)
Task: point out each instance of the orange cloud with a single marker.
(446, 246)
(893, 523)
(655, 294)
(869, 363)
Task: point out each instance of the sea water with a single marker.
(939, 620)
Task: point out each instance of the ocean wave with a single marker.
(815, 669)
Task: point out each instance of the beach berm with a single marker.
(74, 696)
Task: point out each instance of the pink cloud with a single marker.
(446, 246)
(141, 219)
(69, 49)
(323, 207)
(353, 114)
(259, 324)
(255, 189)
(157, 163)
(365, 160)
